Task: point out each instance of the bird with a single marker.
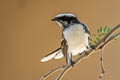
(75, 38)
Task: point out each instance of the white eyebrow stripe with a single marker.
(65, 14)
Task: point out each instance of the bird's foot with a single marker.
(86, 53)
(72, 63)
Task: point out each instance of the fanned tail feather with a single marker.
(57, 54)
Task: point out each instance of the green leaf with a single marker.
(108, 29)
(90, 39)
(95, 41)
(91, 43)
(100, 30)
(105, 29)
(96, 37)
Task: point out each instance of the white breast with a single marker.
(77, 39)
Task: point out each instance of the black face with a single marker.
(66, 20)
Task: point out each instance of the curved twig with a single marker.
(51, 71)
(62, 72)
(102, 65)
(111, 38)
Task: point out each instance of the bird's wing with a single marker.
(61, 52)
(85, 27)
(64, 46)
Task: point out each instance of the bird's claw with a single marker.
(72, 63)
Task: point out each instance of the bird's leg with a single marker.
(86, 53)
(102, 65)
(69, 59)
(72, 62)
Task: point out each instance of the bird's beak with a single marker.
(54, 19)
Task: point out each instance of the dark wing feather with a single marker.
(64, 46)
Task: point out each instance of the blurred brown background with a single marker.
(27, 34)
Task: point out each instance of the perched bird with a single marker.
(74, 41)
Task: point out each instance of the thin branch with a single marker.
(63, 71)
(106, 39)
(111, 31)
(110, 39)
(51, 71)
(102, 65)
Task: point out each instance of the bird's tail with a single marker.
(57, 54)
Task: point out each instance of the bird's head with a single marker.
(64, 19)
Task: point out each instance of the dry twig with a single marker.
(51, 71)
(102, 65)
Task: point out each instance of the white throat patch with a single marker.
(59, 24)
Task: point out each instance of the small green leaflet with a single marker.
(96, 37)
